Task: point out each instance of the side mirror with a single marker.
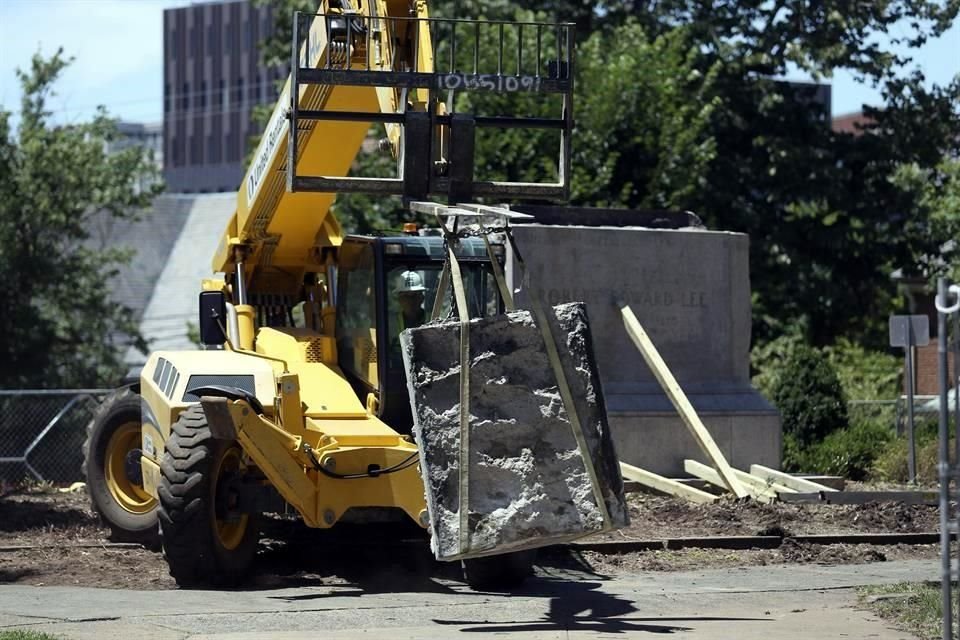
(213, 318)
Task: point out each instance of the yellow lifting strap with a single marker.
(464, 463)
(451, 269)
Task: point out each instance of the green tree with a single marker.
(59, 326)
(825, 221)
(679, 104)
(934, 195)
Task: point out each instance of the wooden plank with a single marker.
(665, 485)
(753, 542)
(761, 484)
(681, 402)
(834, 482)
(797, 484)
(710, 474)
(863, 497)
(705, 542)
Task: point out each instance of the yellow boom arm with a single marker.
(274, 227)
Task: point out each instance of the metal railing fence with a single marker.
(948, 339)
(42, 433)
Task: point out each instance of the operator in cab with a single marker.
(410, 295)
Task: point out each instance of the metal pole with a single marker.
(911, 444)
(240, 287)
(955, 383)
(944, 467)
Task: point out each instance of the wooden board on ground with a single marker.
(863, 497)
(754, 490)
(787, 480)
(679, 399)
(834, 482)
(761, 484)
(665, 485)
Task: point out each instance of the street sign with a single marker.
(909, 332)
(901, 328)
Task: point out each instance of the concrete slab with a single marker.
(690, 289)
(796, 601)
(528, 482)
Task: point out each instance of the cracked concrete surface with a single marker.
(529, 485)
(799, 602)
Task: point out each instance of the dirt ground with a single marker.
(653, 517)
(53, 538)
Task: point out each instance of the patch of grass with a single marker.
(911, 606)
(24, 634)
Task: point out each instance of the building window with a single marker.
(173, 150)
(220, 91)
(186, 95)
(166, 98)
(240, 90)
(264, 23)
(203, 94)
(227, 37)
(247, 35)
(210, 39)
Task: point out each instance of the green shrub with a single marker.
(809, 396)
(767, 359)
(891, 465)
(865, 375)
(851, 452)
(795, 456)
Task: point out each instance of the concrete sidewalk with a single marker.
(795, 601)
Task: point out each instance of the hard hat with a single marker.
(410, 281)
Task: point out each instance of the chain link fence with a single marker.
(876, 411)
(42, 433)
(894, 412)
(925, 413)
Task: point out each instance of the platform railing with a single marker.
(438, 56)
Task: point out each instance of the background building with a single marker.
(139, 134)
(212, 79)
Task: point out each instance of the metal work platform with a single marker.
(427, 63)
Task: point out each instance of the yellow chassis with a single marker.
(324, 426)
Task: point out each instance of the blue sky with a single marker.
(118, 48)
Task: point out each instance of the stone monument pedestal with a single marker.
(690, 289)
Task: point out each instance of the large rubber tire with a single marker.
(499, 573)
(121, 504)
(202, 546)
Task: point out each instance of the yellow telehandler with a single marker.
(298, 391)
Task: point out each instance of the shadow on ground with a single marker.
(23, 515)
(372, 558)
